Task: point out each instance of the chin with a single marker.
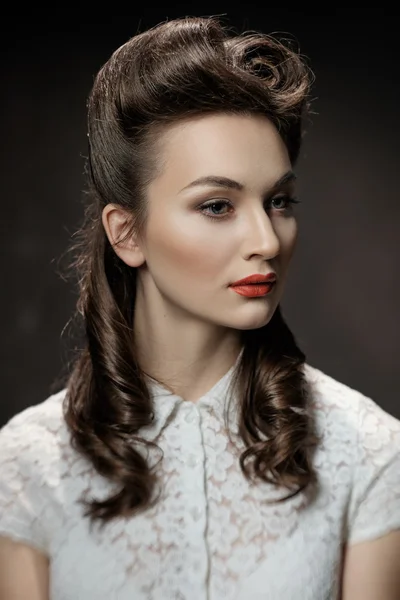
(251, 321)
(254, 325)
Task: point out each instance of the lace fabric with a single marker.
(211, 536)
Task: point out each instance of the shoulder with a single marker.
(360, 452)
(344, 410)
(47, 415)
(34, 433)
(33, 461)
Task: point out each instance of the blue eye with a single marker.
(211, 205)
(287, 200)
(218, 204)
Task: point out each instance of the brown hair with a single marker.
(180, 68)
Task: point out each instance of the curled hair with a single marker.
(178, 69)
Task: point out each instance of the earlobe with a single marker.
(116, 223)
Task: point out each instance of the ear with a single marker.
(115, 222)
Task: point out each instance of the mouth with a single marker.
(256, 279)
(253, 290)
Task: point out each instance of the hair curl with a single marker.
(178, 69)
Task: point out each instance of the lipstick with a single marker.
(255, 285)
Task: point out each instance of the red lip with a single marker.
(257, 278)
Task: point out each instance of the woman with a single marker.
(193, 452)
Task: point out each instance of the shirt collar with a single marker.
(165, 402)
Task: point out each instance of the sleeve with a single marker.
(22, 499)
(375, 498)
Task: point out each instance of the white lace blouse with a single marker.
(211, 536)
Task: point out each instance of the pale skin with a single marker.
(187, 319)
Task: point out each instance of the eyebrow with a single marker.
(226, 182)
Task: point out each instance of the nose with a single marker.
(261, 238)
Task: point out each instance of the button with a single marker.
(193, 460)
(191, 414)
(196, 513)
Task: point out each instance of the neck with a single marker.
(187, 356)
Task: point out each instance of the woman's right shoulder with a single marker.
(33, 458)
(35, 427)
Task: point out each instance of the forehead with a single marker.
(238, 146)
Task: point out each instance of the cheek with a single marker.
(186, 250)
(287, 232)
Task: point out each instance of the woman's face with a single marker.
(201, 237)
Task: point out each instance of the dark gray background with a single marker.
(342, 295)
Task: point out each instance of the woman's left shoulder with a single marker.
(355, 414)
(362, 439)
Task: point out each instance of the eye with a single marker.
(216, 209)
(287, 200)
(218, 204)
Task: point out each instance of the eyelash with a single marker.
(202, 208)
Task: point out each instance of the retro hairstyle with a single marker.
(178, 69)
